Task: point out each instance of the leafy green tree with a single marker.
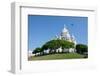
(52, 45)
(37, 50)
(66, 44)
(81, 49)
(55, 44)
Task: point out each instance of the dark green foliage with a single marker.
(55, 44)
(82, 49)
(52, 45)
(66, 44)
(37, 50)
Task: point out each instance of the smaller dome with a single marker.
(73, 37)
(68, 36)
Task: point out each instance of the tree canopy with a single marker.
(37, 50)
(81, 49)
(55, 44)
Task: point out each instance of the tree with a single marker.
(81, 49)
(66, 44)
(52, 45)
(37, 50)
(55, 44)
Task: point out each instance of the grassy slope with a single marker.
(57, 56)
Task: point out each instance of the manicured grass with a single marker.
(57, 56)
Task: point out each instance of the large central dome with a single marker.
(65, 35)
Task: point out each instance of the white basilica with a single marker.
(65, 35)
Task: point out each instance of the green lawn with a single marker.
(57, 56)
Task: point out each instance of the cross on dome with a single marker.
(64, 26)
(65, 29)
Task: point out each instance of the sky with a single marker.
(42, 28)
